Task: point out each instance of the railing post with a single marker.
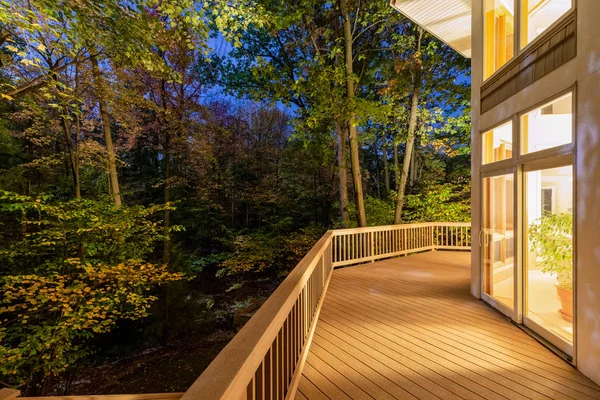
(372, 234)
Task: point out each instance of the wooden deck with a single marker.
(408, 328)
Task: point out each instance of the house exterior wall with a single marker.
(588, 188)
(582, 74)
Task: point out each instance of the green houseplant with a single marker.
(551, 236)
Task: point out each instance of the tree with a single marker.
(412, 125)
(74, 276)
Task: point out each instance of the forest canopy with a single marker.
(164, 164)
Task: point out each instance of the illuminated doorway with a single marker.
(498, 241)
(527, 232)
(548, 254)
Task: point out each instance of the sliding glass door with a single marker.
(548, 280)
(527, 220)
(498, 241)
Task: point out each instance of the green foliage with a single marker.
(73, 272)
(379, 212)
(269, 252)
(255, 182)
(93, 231)
(445, 202)
(551, 236)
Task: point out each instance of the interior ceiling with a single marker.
(449, 20)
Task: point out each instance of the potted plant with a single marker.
(551, 236)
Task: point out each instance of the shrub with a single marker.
(439, 203)
(75, 270)
(269, 252)
(551, 236)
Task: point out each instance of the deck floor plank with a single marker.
(527, 360)
(408, 328)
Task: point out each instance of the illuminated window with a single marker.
(497, 144)
(499, 32)
(538, 15)
(498, 238)
(549, 250)
(548, 126)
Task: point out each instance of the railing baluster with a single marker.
(294, 316)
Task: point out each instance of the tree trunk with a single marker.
(378, 173)
(412, 124)
(342, 172)
(110, 150)
(396, 167)
(386, 167)
(361, 215)
(72, 150)
(414, 165)
(167, 176)
(73, 159)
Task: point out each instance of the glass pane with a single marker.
(538, 15)
(498, 238)
(549, 253)
(548, 126)
(497, 144)
(499, 33)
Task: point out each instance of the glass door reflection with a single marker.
(498, 239)
(549, 254)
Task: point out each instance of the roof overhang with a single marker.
(448, 20)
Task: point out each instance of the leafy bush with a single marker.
(379, 212)
(551, 236)
(73, 272)
(269, 252)
(440, 203)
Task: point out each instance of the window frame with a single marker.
(516, 4)
(517, 49)
(519, 165)
(515, 147)
(550, 150)
(567, 148)
(521, 16)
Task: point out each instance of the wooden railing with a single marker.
(264, 360)
(358, 245)
(10, 394)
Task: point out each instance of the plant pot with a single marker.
(566, 301)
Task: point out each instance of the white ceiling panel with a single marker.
(449, 20)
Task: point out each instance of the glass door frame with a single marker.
(518, 164)
(514, 313)
(539, 165)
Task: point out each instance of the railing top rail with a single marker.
(139, 396)
(237, 362)
(339, 232)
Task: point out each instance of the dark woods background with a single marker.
(163, 168)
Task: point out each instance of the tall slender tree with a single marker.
(417, 66)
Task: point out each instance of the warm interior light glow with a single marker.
(548, 126)
(499, 28)
(497, 144)
(498, 238)
(549, 249)
(539, 15)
